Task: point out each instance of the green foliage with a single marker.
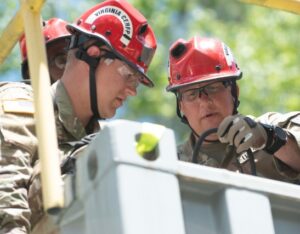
(264, 42)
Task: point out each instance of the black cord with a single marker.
(229, 153)
(227, 156)
(200, 141)
(252, 162)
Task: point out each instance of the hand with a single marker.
(242, 132)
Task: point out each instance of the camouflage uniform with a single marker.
(266, 165)
(18, 151)
(69, 129)
(20, 193)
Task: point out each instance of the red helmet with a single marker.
(53, 29)
(199, 60)
(123, 29)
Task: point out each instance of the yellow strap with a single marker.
(149, 138)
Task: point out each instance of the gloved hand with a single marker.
(242, 132)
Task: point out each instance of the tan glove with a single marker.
(242, 132)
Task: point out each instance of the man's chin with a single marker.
(108, 114)
(212, 137)
(210, 124)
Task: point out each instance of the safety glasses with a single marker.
(209, 90)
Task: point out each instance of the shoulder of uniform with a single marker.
(279, 118)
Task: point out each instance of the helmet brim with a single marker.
(174, 88)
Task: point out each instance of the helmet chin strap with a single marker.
(93, 62)
(236, 101)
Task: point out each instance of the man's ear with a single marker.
(93, 51)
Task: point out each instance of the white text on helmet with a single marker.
(228, 55)
(120, 14)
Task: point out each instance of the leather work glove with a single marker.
(242, 132)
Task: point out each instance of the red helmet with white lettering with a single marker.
(199, 60)
(54, 29)
(123, 29)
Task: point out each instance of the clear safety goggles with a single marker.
(132, 78)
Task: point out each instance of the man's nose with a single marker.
(203, 95)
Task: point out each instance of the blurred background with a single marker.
(264, 41)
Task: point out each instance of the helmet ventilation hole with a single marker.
(142, 29)
(218, 68)
(178, 50)
(79, 21)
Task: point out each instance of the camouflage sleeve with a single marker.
(18, 150)
(18, 145)
(291, 123)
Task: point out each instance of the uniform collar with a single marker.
(65, 110)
